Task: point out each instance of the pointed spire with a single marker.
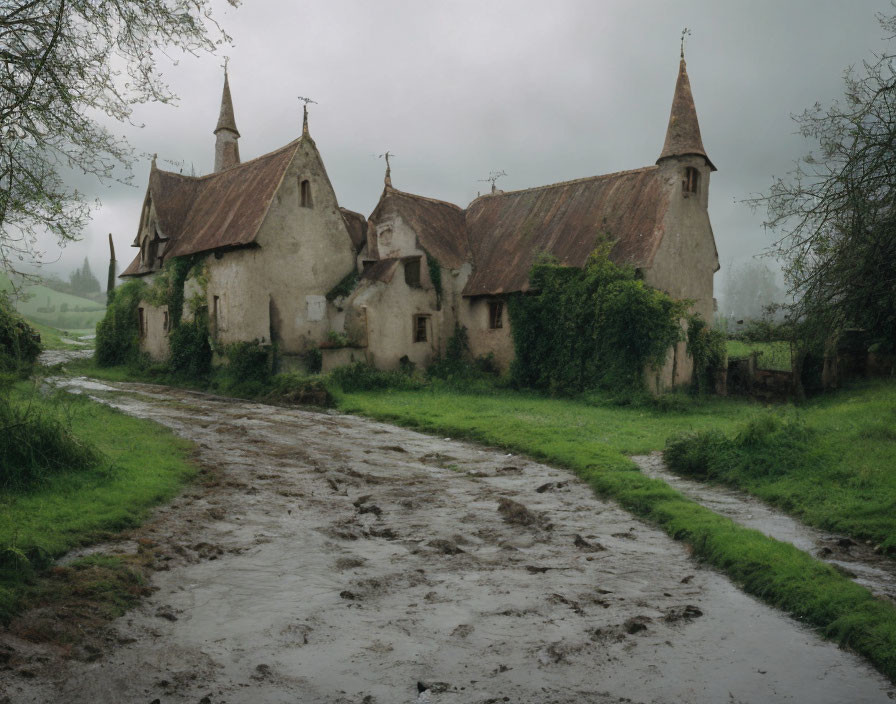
(227, 148)
(305, 131)
(683, 134)
(226, 121)
(388, 179)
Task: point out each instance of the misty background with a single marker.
(547, 92)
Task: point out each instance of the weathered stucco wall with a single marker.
(154, 337)
(686, 260)
(276, 291)
(474, 315)
(382, 317)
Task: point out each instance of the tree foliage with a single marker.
(62, 63)
(82, 280)
(836, 211)
(596, 327)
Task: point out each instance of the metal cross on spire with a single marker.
(684, 33)
(493, 177)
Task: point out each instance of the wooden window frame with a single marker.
(420, 325)
(495, 315)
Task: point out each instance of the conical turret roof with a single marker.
(683, 134)
(226, 121)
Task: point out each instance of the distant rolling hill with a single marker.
(55, 309)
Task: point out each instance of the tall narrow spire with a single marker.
(305, 132)
(227, 149)
(683, 134)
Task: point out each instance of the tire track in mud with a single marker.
(337, 559)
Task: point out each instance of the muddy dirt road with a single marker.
(336, 559)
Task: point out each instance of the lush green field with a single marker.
(141, 464)
(772, 355)
(52, 339)
(594, 440)
(832, 463)
(58, 310)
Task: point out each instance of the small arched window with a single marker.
(691, 180)
(305, 194)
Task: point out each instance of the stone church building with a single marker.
(286, 264)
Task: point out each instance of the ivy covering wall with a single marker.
(595, 327)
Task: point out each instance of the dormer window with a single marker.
(305, 194)
(691, 180)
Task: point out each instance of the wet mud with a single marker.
(49, 358)
(330, 558)
(855, 559)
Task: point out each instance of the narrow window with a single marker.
(691, 178)
(141, 323)
(165, 321)
(216, 314)
(496, 314)
(420, 324)
(412, 273)
(305, 189)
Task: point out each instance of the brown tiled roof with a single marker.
(383, 270)
(220, 210)
(439, 225)
(357, 227)
(683, 133)
(508, 230)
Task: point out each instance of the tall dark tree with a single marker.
(836, 211)
(83, 281)
(62, 61)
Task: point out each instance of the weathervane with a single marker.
(493, 177)
(684, 33)
(387, 155)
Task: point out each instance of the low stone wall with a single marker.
(333, 357)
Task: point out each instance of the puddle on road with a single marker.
(859, 561)
(49, 358)
(335, 559)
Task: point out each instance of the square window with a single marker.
(496, 314)
(421, 323)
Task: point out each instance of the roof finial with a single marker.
(388, 179)
(493, 177)
(154, 157)
(306, 101)
(224, 65)
(684, 33)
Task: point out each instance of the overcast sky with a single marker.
(546, 91)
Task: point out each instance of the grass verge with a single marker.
(593, 442)
(140, 464)
(806, 461)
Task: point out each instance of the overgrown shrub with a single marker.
(345, 286)
(190, 353)
(19, 343)
(595, 327)
(314, 360)
(363, 377)
(118, 333)
(248, 370)
(707, 349)
(761, 330)
(37, 443)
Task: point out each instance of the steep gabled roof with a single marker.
(220, 210)
(507, 231)
(439, 226)
(357, 227)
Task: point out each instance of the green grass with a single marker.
(772, 355)
(51, 338)
(39, 296)
(832, 463)
(594, 440)
(142, 464)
